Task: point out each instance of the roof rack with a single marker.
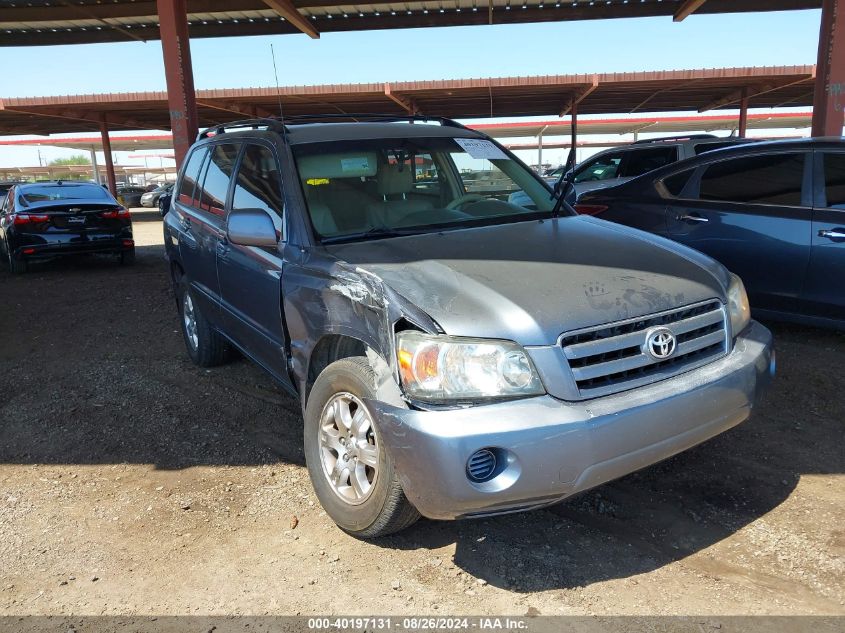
(271, 123)
(370, 117)
(278, 124)
(669, 139)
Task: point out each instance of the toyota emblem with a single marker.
(660, 343)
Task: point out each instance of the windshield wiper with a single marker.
(565, 183)
(373, 233)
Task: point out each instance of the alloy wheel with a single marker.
(349, 449)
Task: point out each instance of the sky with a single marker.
(643, 44)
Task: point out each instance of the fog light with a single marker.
(481, 465)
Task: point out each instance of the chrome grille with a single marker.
(611, 358)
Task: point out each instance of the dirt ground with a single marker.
(132, 482)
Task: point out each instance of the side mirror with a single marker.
(251, 227)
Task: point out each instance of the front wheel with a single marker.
(352, 473)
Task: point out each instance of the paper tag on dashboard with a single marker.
(480, 148)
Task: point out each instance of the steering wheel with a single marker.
(462, 200)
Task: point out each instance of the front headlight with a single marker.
(437, 367)
(738, 307)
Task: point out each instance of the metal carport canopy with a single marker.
(47, 22)
(665, 91)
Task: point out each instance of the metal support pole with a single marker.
(181, 98)
(104, 133)
(829, 98)
(743, 114)
(94, 165)
(540, 149)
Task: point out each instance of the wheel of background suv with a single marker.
(16, 266)
(127, 257)
(352, 473)
(205, 346)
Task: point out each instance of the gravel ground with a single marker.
(132, 482)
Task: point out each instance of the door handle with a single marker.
(691, 218)
(833, 234)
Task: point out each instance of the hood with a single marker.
(529, 282)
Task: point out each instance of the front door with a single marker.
(250, 276)
(752, 214)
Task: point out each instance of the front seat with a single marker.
(394, 182)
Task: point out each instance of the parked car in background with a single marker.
(454, 355)
(620, 164)
(164, 202)
(774, 213)
(5, 186)
(52, 219)
(150, 198)
(130, 195)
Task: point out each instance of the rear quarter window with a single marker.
(190, 175)
(674, 185)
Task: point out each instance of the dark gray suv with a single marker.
(455, 355)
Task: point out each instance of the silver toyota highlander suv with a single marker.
(455, 355)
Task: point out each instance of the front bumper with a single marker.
(556, 449)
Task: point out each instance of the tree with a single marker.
(76, 159)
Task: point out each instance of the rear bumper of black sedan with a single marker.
(77, 245)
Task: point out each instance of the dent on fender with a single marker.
(325, 297)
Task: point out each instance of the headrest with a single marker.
(395, 178)
(348, 165)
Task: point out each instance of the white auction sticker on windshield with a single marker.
(479, 148)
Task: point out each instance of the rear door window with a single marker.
(834, 180)
(190, 176)
(770, 179)
(642, 161)
(259, 184)
(216, 184)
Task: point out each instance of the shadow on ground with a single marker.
(96, 373)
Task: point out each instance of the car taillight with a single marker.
(590, 209)
(28, 218)
(116, 213)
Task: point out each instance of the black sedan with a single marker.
(51, 219)
(773, 213)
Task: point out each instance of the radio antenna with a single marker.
(278, 90)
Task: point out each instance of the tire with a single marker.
(206, 347)
(16, 266)
(384, 509)
(127, 258)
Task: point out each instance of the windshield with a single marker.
(373, 188)
(46, 193)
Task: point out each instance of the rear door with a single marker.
(250, 276)
(824, 295)
(752, 213)
(200, 216)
